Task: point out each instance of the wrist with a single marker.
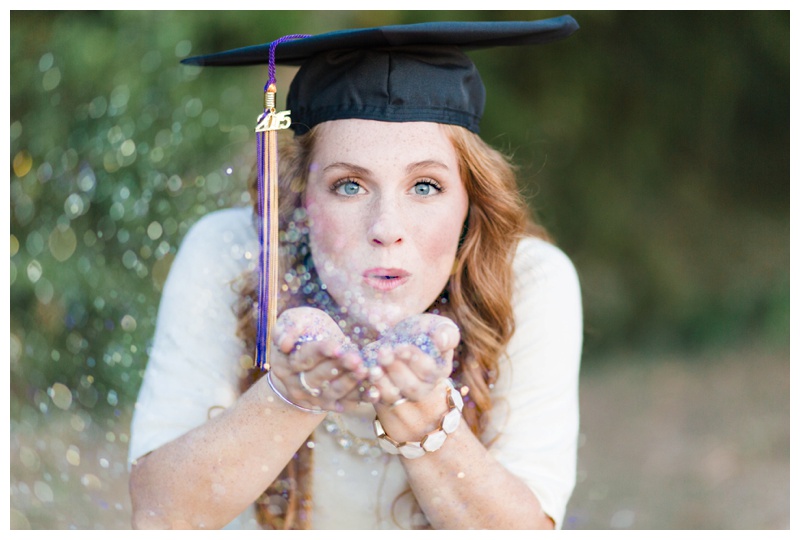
(418, 428)
(276, 396)
(411, 419)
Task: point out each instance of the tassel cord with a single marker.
(267, 156)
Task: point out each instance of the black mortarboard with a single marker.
(400, 73)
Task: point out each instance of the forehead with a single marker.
(356, 139)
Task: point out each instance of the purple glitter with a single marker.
(422, 341)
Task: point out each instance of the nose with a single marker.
(386, 226)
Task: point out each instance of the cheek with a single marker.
(327, 230)
(439, 244)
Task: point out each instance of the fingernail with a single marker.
(373, 394)
(450, 322)
(384, 358)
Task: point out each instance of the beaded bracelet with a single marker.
(433, 440)
(286, 400)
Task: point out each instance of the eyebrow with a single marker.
(363, 171)
(428, 163)
(352, 167)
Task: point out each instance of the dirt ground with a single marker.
(684, 443)
(667, 443)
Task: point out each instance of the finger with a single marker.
(350, 360)
(329, 362)
(434, 335)
(372, 384)
(279, 363)
(446, 335)
(306, 355)
(368, 392)
(343, 386)
(320, 376)
(420, 363)
(322, 387)
(291, 336)
(294, 323)
(389, 392)
(422, 323)
(354, 397)
(339, 374)
(412, 372)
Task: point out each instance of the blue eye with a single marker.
(347, 187)
(425, 188)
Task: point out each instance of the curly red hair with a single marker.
(478, 295)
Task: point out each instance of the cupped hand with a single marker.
(317, 367)
(411, 359)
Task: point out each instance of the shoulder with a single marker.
(539, 264)
(547, 302)
(219, 246)
(229, 225)
(223, 232)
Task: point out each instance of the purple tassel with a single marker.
(267, 156)
(263, 265)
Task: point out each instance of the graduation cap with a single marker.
(398, 73)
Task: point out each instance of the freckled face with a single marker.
(386, 205)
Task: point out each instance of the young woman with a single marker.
(424, 366)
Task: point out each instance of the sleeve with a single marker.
(194, 363)
(533, 427)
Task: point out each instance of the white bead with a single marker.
(433, 441)
(411, 450)
(456, 399)
(388, 447)
(451, 420)
(379, 432)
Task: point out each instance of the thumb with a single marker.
(446, 335)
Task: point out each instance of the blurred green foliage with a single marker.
(655, 146)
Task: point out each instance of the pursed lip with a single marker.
(385, 279)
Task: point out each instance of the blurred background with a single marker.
(653, 145)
